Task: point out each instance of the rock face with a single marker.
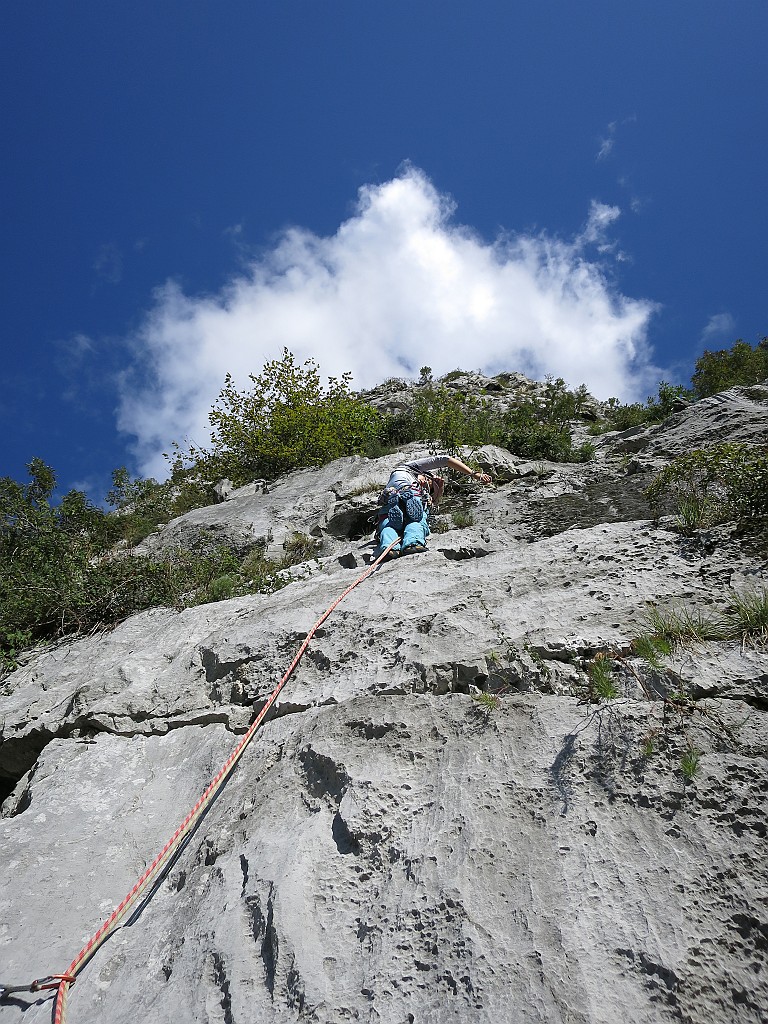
(391, 848)
(735, 415)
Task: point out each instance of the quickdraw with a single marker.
(49, 981)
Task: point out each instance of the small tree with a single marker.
(284, 421)
(740, 364)
(47, 556)
(722, 483)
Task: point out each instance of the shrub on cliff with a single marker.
(60, 573)
(286, 420)
(47, 556)
(740, 364)
(532, 429)
(727, 482)
(143, 504)
(655, 409)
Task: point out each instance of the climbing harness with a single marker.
(403, 503)
(164, 860)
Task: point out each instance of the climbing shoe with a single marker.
(394, 513)
(414, 510)
(394, 553)
(413, 549)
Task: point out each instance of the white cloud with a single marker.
(399, 285)
(109, 264)
(601, 216)
(607, 144)
(720, 327)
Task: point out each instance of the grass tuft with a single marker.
(677, 626)
(487, 702)
(299, 547)
(750, 615)
(689, 762)
(367, 487)
(652, 649)
(602, 682)
(462, 519)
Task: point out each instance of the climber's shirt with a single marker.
(408, 472)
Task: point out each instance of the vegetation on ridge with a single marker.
(286, 420)
(725, 482)
(66, 567)
(739, 364)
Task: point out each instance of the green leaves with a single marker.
(740, 364)
(655, 409)
(723, 483)
(61, 573)
(532, 429)
(689, 762)
(47, 553)
(602, 683)
(653, 649)
(142, 505)
(487, 702)
(286, 420)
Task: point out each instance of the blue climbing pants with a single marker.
(404, 517)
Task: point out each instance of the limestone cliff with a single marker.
(390, 848)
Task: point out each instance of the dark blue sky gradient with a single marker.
(138, 137)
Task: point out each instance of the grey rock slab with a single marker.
(738, 414)
(501, 464)
(301, 501)
(79, 831)
(334, 502)
(409, 855)
(422, 622)
(732, 671)
(389, 848)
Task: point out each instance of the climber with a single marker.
(405, 502)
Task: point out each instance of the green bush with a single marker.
(727, 482)
(531, 429)
(487, 703)
(142, 505)
(740, 364)
(49, 557)
(60, 573)
(286, 420)
(655, 410)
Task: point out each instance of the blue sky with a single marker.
(187, 186)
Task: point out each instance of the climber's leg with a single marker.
(415, 535)
(386, 533)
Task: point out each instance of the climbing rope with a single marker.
(154, 873)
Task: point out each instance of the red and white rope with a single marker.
(63, 982)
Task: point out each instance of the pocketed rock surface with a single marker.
(390, 848)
